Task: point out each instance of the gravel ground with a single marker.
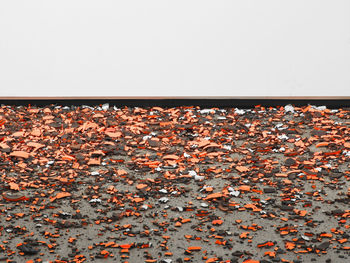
(185, 184)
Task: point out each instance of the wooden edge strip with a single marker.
(168, 102)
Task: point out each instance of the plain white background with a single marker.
(175, 48)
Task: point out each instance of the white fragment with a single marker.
(204, 205)
(180, 208)
(283, 136)
(163, 191)
(192, 173)
(146, 137)
(65, 214)
(158, 169)
(84, 106)
(305, 238)
(279, 127)
(227, 147)
(289, 108)
(186, 155)
(206, 111)
(319, 107)
(163, 200)
(105, 106)
(239, 111)
(282, 149)
(95, 200)
(144, 207)
(198, 177)
(95, 173)
(235, 193)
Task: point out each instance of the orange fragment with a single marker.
(213, 196)
(194, 248)
(341, 241)
(138, 200)
(329, 235)
(171, 157)
(126, 245)
(105, 253)
(266, 244)
(242, 168)
(211, 260)
(244, 188)
(322, 144)
(178, 224)
(141, 186)
(271, 254)
(14, 186)
(217, 222)
(21, 154)
(289, 245)
(244, 235)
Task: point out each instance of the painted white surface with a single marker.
(175, 48)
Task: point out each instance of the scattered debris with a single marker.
(84, 184)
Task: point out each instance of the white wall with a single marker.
(175, 48)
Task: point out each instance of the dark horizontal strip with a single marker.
(219, 102)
